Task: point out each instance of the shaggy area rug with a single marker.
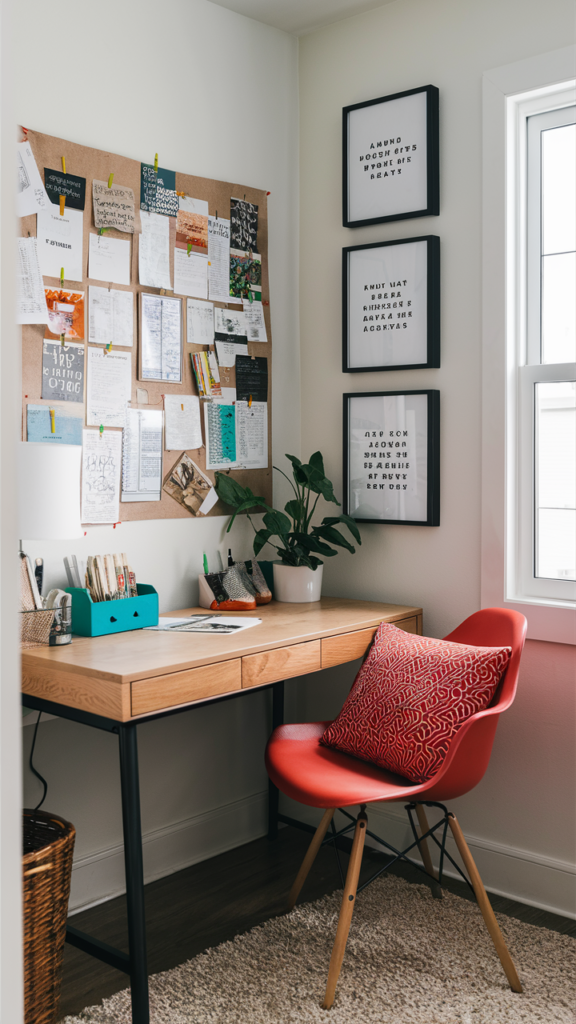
(410, 959)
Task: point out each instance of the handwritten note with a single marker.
(114, 207)
(109, 259)
(227, 352)
(31, 195)
(142, 455)
(182, 422)
(71, 186)
(252, 434)
(101, 461)
(110, 316)
(60, 241)
(154, 251)
(109, 387)
(219, 260)
(30, 299)
(190, 274)
(157, 190)
(161, 338)
(255, 324)
(243, 225)
(199, 322)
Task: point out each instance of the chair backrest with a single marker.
(469, 752)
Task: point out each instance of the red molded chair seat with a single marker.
(312, 774)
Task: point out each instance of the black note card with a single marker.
(251, 378)
(68, 185)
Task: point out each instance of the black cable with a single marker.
(32, 768)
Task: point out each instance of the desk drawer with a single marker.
(283, 663)
(182, 687)
(411, 625)
(337, 650)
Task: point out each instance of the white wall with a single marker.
(215, 94)
(521, 817)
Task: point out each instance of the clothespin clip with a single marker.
(110, 180)
(250, 402)
(52, 421)
(63, 198)
(64, 165)
(250, 296)
(108, 348)
(182, 406)
(156, 163)
(102, 230)
(216, 214)
(101, 430)
(181, 194)
(189, 248)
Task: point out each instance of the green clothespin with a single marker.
(250, 296)
(108, 348)
(61, 277)
(156, 163)
(101, 430)
(110, 180)
(102, 230)
(189, 248)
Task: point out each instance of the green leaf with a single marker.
(261, 538)
(229, 490)
(317, 462)
(312, 543)
(348, 521)
(295, 509)
(333, 537)
(277, 522)
(297, 473)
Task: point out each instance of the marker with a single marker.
(205, 561)
(230, 559)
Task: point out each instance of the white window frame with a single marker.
(510, 95)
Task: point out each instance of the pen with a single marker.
(230, 559)
(205, 560)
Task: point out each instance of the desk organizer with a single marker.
(100, 618)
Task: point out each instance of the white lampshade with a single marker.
(49, 491)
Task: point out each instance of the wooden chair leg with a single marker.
(310, 856)
(425, 850)
(346, 910)
(485, 906)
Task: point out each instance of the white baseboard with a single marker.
(100, 876)
(539, 881)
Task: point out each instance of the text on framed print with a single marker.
(391, 158)
(391, 305)
(392, 457)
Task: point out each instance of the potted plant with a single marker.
(298, 572)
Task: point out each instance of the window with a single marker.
(528, 556)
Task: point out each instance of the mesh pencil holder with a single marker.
(47, 867)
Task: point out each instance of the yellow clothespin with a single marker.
(101, 430)
(182, 406)
(110, 180)
(108, 348)
(156, 163)
(64, 164)
(250, 402)
(62, 204)
(52, 421)
(61, 277)
(189, 248)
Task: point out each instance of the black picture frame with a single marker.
(395, 477)
(354, 205)
(397, 312)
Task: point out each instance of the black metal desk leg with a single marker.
(273, 794)
(134, 873)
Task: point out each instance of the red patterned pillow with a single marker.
(409, 699)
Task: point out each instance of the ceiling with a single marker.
(300, 16)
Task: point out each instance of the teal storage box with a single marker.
(100, 618)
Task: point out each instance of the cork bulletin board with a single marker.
(97, 164)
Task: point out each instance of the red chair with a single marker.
(320, 777)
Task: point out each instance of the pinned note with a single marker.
(182, 422)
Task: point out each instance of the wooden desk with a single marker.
(114, 682)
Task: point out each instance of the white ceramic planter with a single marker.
(297, 584)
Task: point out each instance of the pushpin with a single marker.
(62, 204)
(250, 402)
(189, 248)
(156, 163)
(101, 430)
(110, 180)
(52, 421)
(64, 164)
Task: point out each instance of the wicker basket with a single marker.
(47, 866)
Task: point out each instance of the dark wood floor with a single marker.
(223, 897)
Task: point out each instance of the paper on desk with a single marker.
(182, 422)
(227, 352)
(109, 387)
(109, 259)
(154, 251)
(255, 325)
(60, 240)
(220, 432)
(31, 195)
(199, 322)
(161, 338)
(207, 624)
(30, 299)
(190, 274)
(252, 435)
(142, 455)
(110, 316)
(101, 459)
(219, 260)
(114, 207)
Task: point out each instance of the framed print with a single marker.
(392, 457)
(391, 305)
(391, 158)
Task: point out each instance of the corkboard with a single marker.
(94, 163)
